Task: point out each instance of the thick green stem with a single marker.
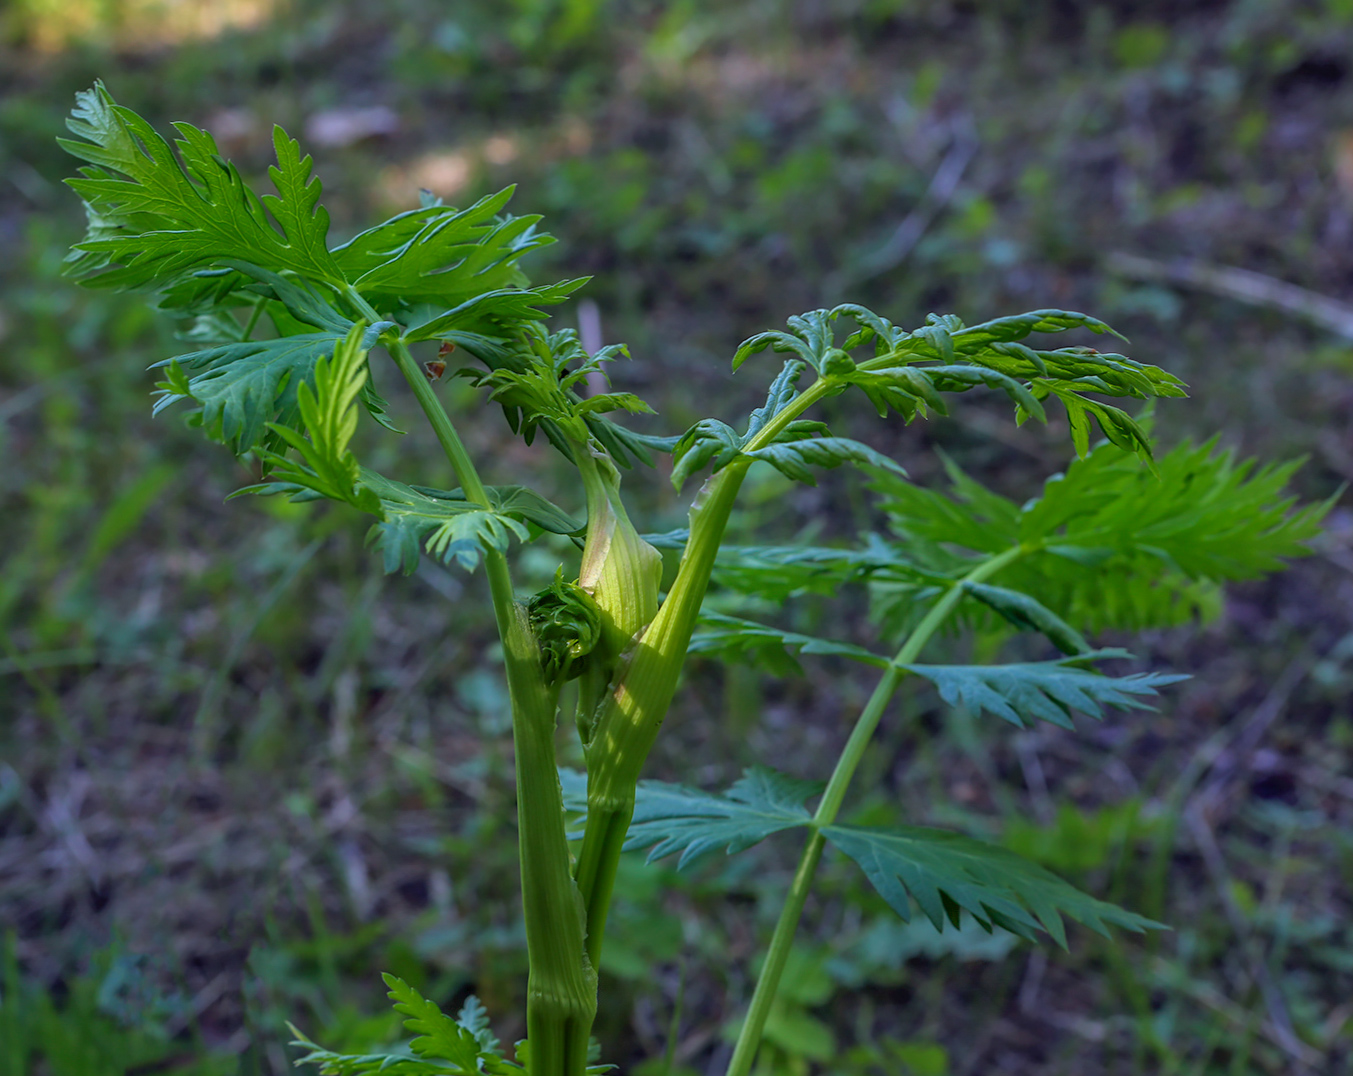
(768, 982)
(631, 715)
(562, 985)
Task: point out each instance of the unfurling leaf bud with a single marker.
(567, 624)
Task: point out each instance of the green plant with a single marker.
(1121, 541)
(108, 1021)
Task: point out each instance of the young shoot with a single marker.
(1125, 539)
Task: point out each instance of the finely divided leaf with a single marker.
(443, 1047)
(502, 306)
(946, 874)
(1043, 690)
(732, 638)
(439, 1036)
(708, 441)
(800, 445)
(1018, 326)
(1206, 515)
(1112, 545)
(452, 528)
(990, 354)
(441, 255)
(242, 386)
(1028, 614)
(327, 466)
(793, 458)
(675, 818)
(159, 219)
(452, 531)
(776, 573)
(474, 1018)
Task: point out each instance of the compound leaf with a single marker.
(776, 573)
(1205, 515)
(451, 528)
(243, 385)
(438, 1035)
(1029, 614)
(708, 441)
(165, 219)
(489, 309)
(327, 466)
(947, 874)
(731, 638)
(674, 818)
(464, 1046)
(1043, 690)
(441, 255)
(1018, 326)
(793, 458)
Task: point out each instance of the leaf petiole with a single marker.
(768, 982)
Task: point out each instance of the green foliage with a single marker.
(193, 232)
(1045, 690)
(166, 219)
(567, 625)
(536, 384)
(947, 873)
(735, 639)
(1109, 544)
(800, 444)
(1080, 839)
(465, 1046)
(673, 818)
(990, 354)
(107, 1023)
(328, 467)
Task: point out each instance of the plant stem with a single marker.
(253, 318)
(749, 1038)
(562, 985)
(630, 717)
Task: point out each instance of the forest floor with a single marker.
(242, 772)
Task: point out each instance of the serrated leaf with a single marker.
(438, 1036)
(711, 441)
(777, 573)
(708, 441)
(1018, 326)
(244, 385)
(794, 458)
(946, 874)
(452, 528)
(731, 638)
(1029, 614)
(474, 1018)
(440, 255)
(329, 413)
(1206, 514)
(674, 818)
(1113, 545)
(502, 306)
(444, 1047)
(159, 219)
(1117, 425)
(1045, 690)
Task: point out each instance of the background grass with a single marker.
(241, 771)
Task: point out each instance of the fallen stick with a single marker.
(1243, 284)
